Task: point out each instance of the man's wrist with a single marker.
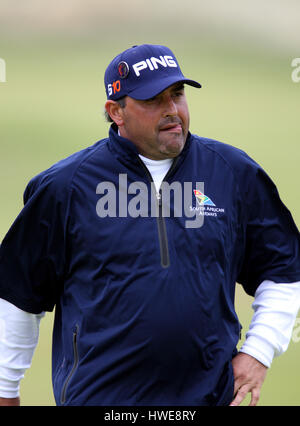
(9, 402)
(259, 349)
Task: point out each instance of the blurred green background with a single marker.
(52, 105)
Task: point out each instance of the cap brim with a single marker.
(152, 89)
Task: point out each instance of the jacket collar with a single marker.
(123, 148)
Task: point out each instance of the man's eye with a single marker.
(179, 92)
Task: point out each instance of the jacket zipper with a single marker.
(74, 367)
(162, 234)
(161, 225)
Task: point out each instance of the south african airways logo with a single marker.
(206, 207)
(202, 199)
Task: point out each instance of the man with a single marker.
(138, 242)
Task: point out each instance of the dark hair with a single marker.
(121, 102)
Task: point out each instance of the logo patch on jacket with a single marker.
(205, 205)
(202, 199)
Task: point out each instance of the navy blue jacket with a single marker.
(145, 305)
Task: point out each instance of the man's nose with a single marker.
(170, 107)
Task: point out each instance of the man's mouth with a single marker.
(171, 127)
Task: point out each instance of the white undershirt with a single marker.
(157, 168)
(19, 333)
(275, 310)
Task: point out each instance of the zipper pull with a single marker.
(158, 197)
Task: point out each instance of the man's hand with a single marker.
(9, 402)
(249, 375)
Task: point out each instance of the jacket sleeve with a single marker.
(32, 254)
(271, 239)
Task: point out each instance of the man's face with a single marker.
(157, 126)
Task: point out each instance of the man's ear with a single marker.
(114, 110)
